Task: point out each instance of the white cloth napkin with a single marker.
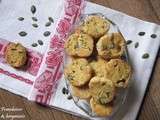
(129, 26)
(10, 26)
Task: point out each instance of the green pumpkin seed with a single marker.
(20, 18)
(69, 97)
(51, 19)
(22, 33)
(48, 24)
(47, 33)
(145, 56)
(129, 42)
(141, 33)
(136, 45)
(34, 45)
(110, 46)
(153, 36)
(40, 42)
(34, 19)
(33, 9)
(70, 77)
(35, 25)
(65, 90)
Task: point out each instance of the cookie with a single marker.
(78, 30)
(81, 92)
(110, 46)
(78, 72)
(79, 44)
(101, 110)
(119, 72)
(16, 55)
(99, 67)
(102, 89)
(95, 26)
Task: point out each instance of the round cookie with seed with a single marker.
(110, 46)
(100, 109)
(95, 26)
(99, 67)
(119, 72)
(79, 44)
(78, 72)
(102, 90)
(16, 55)
(81, 92)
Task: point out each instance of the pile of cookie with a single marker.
(97, 70)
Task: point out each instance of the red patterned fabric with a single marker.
(46, 83)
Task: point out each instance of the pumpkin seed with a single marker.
(65, 90)
(48, 24)
(46, 33)
(34, 45)
(145, 56)
(141, 33)
(40, 42)
(51, 19)
(35, 25)
(102, 100)
(33, 9)
(34, 19)
(110, 46)
(22, 33)
(129, 42)
(20, 18)
(153, 36)
(123, 57)
(69, 97)
(136, 45)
